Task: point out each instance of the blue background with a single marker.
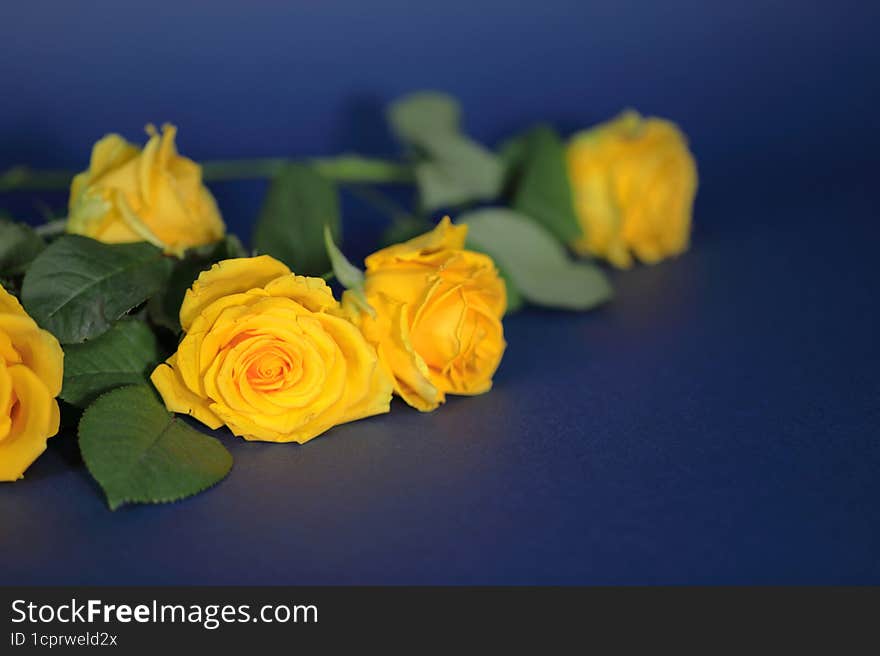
(717, 423)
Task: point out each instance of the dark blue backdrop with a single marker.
(717, 423)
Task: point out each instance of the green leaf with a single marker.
(140, 453)
(164, 308)
(405, 229)
(543, 191)
(10, 285)
(457, 171)
(124, 355)
(346, 273)
(452, 169)
(19, 245)
(513, 153)
(422, 114)
(536, 263)
(78, 287)
(515, 300)
(299, 204)
(228, 248)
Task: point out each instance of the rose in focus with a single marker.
(31, 370)
(153, 195)
(437, 316)
(270, 355)
(634, 182)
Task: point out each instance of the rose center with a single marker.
(274, 369)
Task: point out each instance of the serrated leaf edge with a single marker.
(115, 504)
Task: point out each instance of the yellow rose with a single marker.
(153, 195)
(31, 368)
(438, 308)
(268, 354)
(634, 182)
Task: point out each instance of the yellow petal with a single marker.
(181, 211)
(633, 180)
(312, 293)
(35, 419)
(368, 388)
(390, 331)
(149, 163)
(7, 400)
(10, 304)
(435, 332)
(154, 195)
(110, 152)
(37, 349)
(405, 282)
(134, 223)
(483, 345)
(443, 237)
(179, 398)
(228, 277)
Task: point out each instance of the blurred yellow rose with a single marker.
(438, 308)
(634, 182)
(31, 369)
(268, 354)
(153, 195)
